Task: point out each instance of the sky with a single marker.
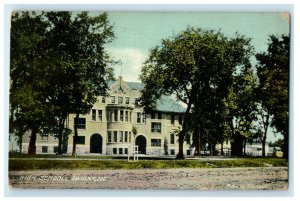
(136, 33)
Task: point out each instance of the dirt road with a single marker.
(262, 178)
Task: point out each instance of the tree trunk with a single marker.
(286, 146)
(211, 149)
(20, 144)
(264, 138)
(263, 148)
(75, 134)
(196, 140)
(232, 144)
(183, 132)
(222, 151)
(32, 146)
(60, 135)
(200, 143)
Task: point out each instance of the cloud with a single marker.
(131, 62)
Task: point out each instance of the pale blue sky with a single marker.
(136, 33)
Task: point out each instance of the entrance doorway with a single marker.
(96, 144)
(142, 143)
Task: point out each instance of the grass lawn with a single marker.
(32, 164)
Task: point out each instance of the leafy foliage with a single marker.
(194, 64)
(58, 66)
(29, 108)
(273, 73)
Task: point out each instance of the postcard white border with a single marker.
(148, 7)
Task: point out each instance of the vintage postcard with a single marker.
(149, 100)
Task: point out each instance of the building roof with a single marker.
(135, 85)
(164, 104)
(167, 104)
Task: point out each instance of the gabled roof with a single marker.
(167, 104)
(136, 85)
(164, 104)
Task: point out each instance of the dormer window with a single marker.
(113, 99)
(120, 100)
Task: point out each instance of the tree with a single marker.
(273, 74)
(166, 146)
(188, 65)
(82, 41)
(29, 110)
(241, 108)
(70, 68)
(277, 143)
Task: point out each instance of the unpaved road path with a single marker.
(259, 178)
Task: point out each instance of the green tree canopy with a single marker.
(58, 66)
(190, 65)
(273, 74)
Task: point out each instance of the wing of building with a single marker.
(116, 123)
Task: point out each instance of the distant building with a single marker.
(108, 127)
(255, 149)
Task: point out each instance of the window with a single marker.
(155, 127)
(126, 150)
(126, 116)
(81, 123)
(121, 115)
(153, 115)
(129, 137)
(172, 151)
(55, 137)
(44, 149)
(110, 114)
(115, 136)
(136, 102)
(138, 117)
(55, 149)
(103, 99)
(120, 150)
(144, 117)
(188, 152)
(113, 99)
(126, 136)
(188, 139)
(155, 142)
(80, 139)
(94, 115)
(180, 119)
(172, 119)
(109, 136)
(45, 138)
(121, 136)
(115, 115)
(130, 116)
(172, 138)
(120, 100)
(100, 115)
(159, 115)
(114, 150)
(127, 100)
